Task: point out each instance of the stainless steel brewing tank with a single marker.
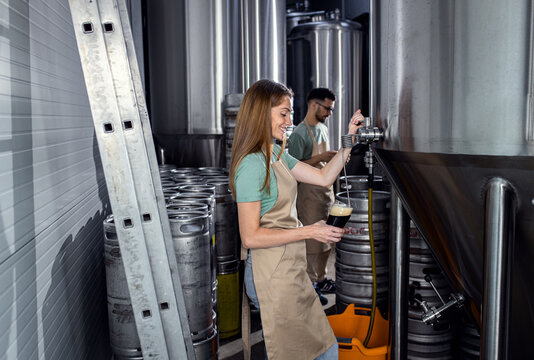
(453, 92)
(194, 60)
(326, 54)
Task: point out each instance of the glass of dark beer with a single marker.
(339, 214)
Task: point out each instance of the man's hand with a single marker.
(356, 121)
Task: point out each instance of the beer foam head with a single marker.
(340, 209)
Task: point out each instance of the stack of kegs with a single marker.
(231, 108)
(190, 235)
(210, 186)
(425, 341)
(354, 280)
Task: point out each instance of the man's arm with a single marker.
(324, 157)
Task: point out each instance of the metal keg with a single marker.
(165, 171)
(188, 179)
(228, 298)
(424, 341)
(207, 349)
(190, 234)
(167, 182)
(205, 191)
(353, 252)
(198, 188)
(184, 171)
(170, 190)
(180, 206)
(469, 340)
(195, 197)
(202, 197)
(212, 171)
(122, 330)
(360, 182)
(226, 234)
(208, 198)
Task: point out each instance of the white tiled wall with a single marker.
(53, 197)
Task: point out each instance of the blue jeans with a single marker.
(249, 283)
(330, 354)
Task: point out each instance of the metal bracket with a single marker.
(432, 315)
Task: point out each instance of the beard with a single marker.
(321, 119)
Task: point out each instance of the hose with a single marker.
(373, 259)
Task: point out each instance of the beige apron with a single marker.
(313, 204)
(294, 323)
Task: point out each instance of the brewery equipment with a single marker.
(326, 54)
(453, 96)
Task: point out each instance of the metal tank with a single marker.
(294, 18)
(452, 90)
(194, 60)
(326, 54)
(263, 40)
(199, 51)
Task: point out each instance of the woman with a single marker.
(293, 320)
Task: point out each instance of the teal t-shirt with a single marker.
(300, 144)
(250, 176)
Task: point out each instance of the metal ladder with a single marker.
(122, 127)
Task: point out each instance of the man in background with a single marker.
(309, 143)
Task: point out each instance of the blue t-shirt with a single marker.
(250, 176)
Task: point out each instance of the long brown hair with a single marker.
(253, 132)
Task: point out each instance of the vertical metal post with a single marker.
(373, 18)
(499, 235)
(398, 280)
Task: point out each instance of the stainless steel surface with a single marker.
(454, 99)
(326, 54)
(190, 234)
(499, 228)
(399, 255)
(232, 102)
(373, 54)
(207, 349)
(194, 62)
(263, 32)
(195, 59)
(294, 18)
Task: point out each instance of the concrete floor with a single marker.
(232, 348)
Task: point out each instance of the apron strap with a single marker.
(310, 132)
(245, 325)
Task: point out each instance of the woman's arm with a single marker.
(254, 236)
(327, 175)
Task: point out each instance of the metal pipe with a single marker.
(399, 256)
(499, 235)
(373, 16)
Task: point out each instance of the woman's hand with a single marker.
(356, 121)
(324, 233)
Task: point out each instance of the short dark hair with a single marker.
(320, 94)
